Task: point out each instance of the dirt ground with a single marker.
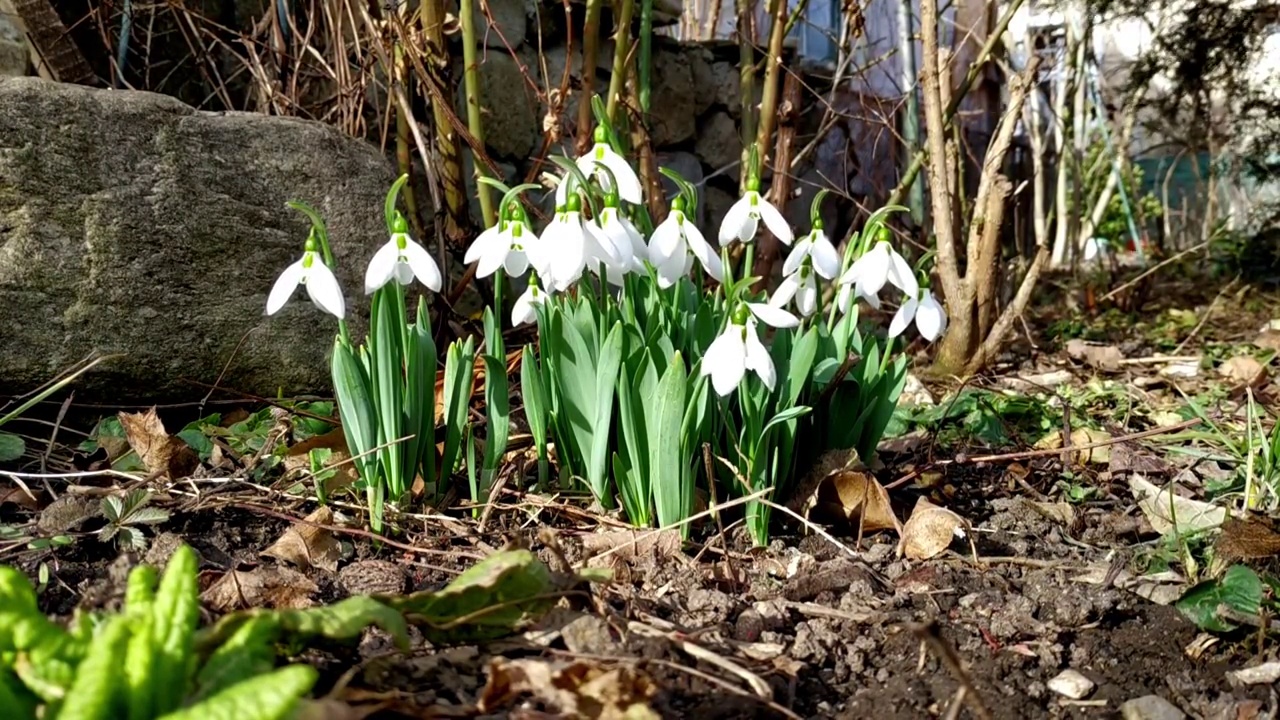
(826, 634)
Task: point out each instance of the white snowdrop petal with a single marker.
(324, 290)
(901, 275)
(757, 358)
(666, 239)
(774, 221)
(735, 220)
(726, 360)
(902, 318)
(785, 292)
(931, 318)
(772, 316)
(875, 270)
(807, 297)
(628, 183)
(480, 246)
(284, 287)
(381, 267)
(825, 258)
(516, 263)
(844, 298)
(423, 265)
(796, 257)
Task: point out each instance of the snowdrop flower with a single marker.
(524, 310)
(502, 246)
(738, 349)
(403, 259)
(566, 246)
(844, 298)
(617, 237)
(800, 286)
(602, 154)
(815, 245)
(879, 265)
(321, 285)
(930, 316)
(673, 241)
(744, 216)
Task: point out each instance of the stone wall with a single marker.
(695, 112)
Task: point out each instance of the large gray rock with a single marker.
(506, 20)
(511, 129)
(672, 98)
(132, 223)
(719, 143)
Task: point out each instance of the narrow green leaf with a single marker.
(606, 377)
(497, 416)
(459, 371)
(671, 482)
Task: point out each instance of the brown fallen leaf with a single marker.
(308, 544)
(853, 497)
(1103, 357)
(264, 586)
(623, 549)
(1246, 539)
(1127, 458)
(1244, 370)
(67, 513)
(1080, 437)
(577, 689)
(298, 459)
(27, 498)
(930, 530)
(372, 577)
(162, 454)
(1060, 512)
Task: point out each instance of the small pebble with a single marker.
(1150, 707)
(1072, 684)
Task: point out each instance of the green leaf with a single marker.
(606, 376)
(491, 599)
(420, 398)
(11, 447)
(97, 693)
(273, 696)
(386, 350)
(359, 420)
(250, 651)
(175, 613)
(459, 369)
(498, 416)
(535, 399)
(672, 484)
(1240, 589)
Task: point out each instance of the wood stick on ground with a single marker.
(928, 633)
(1031, 454)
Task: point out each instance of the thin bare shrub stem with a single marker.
(590, 51)
(471, 83)
(773, 66)
(746, 82)
(621, 50)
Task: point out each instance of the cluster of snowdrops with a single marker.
(640, 385)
